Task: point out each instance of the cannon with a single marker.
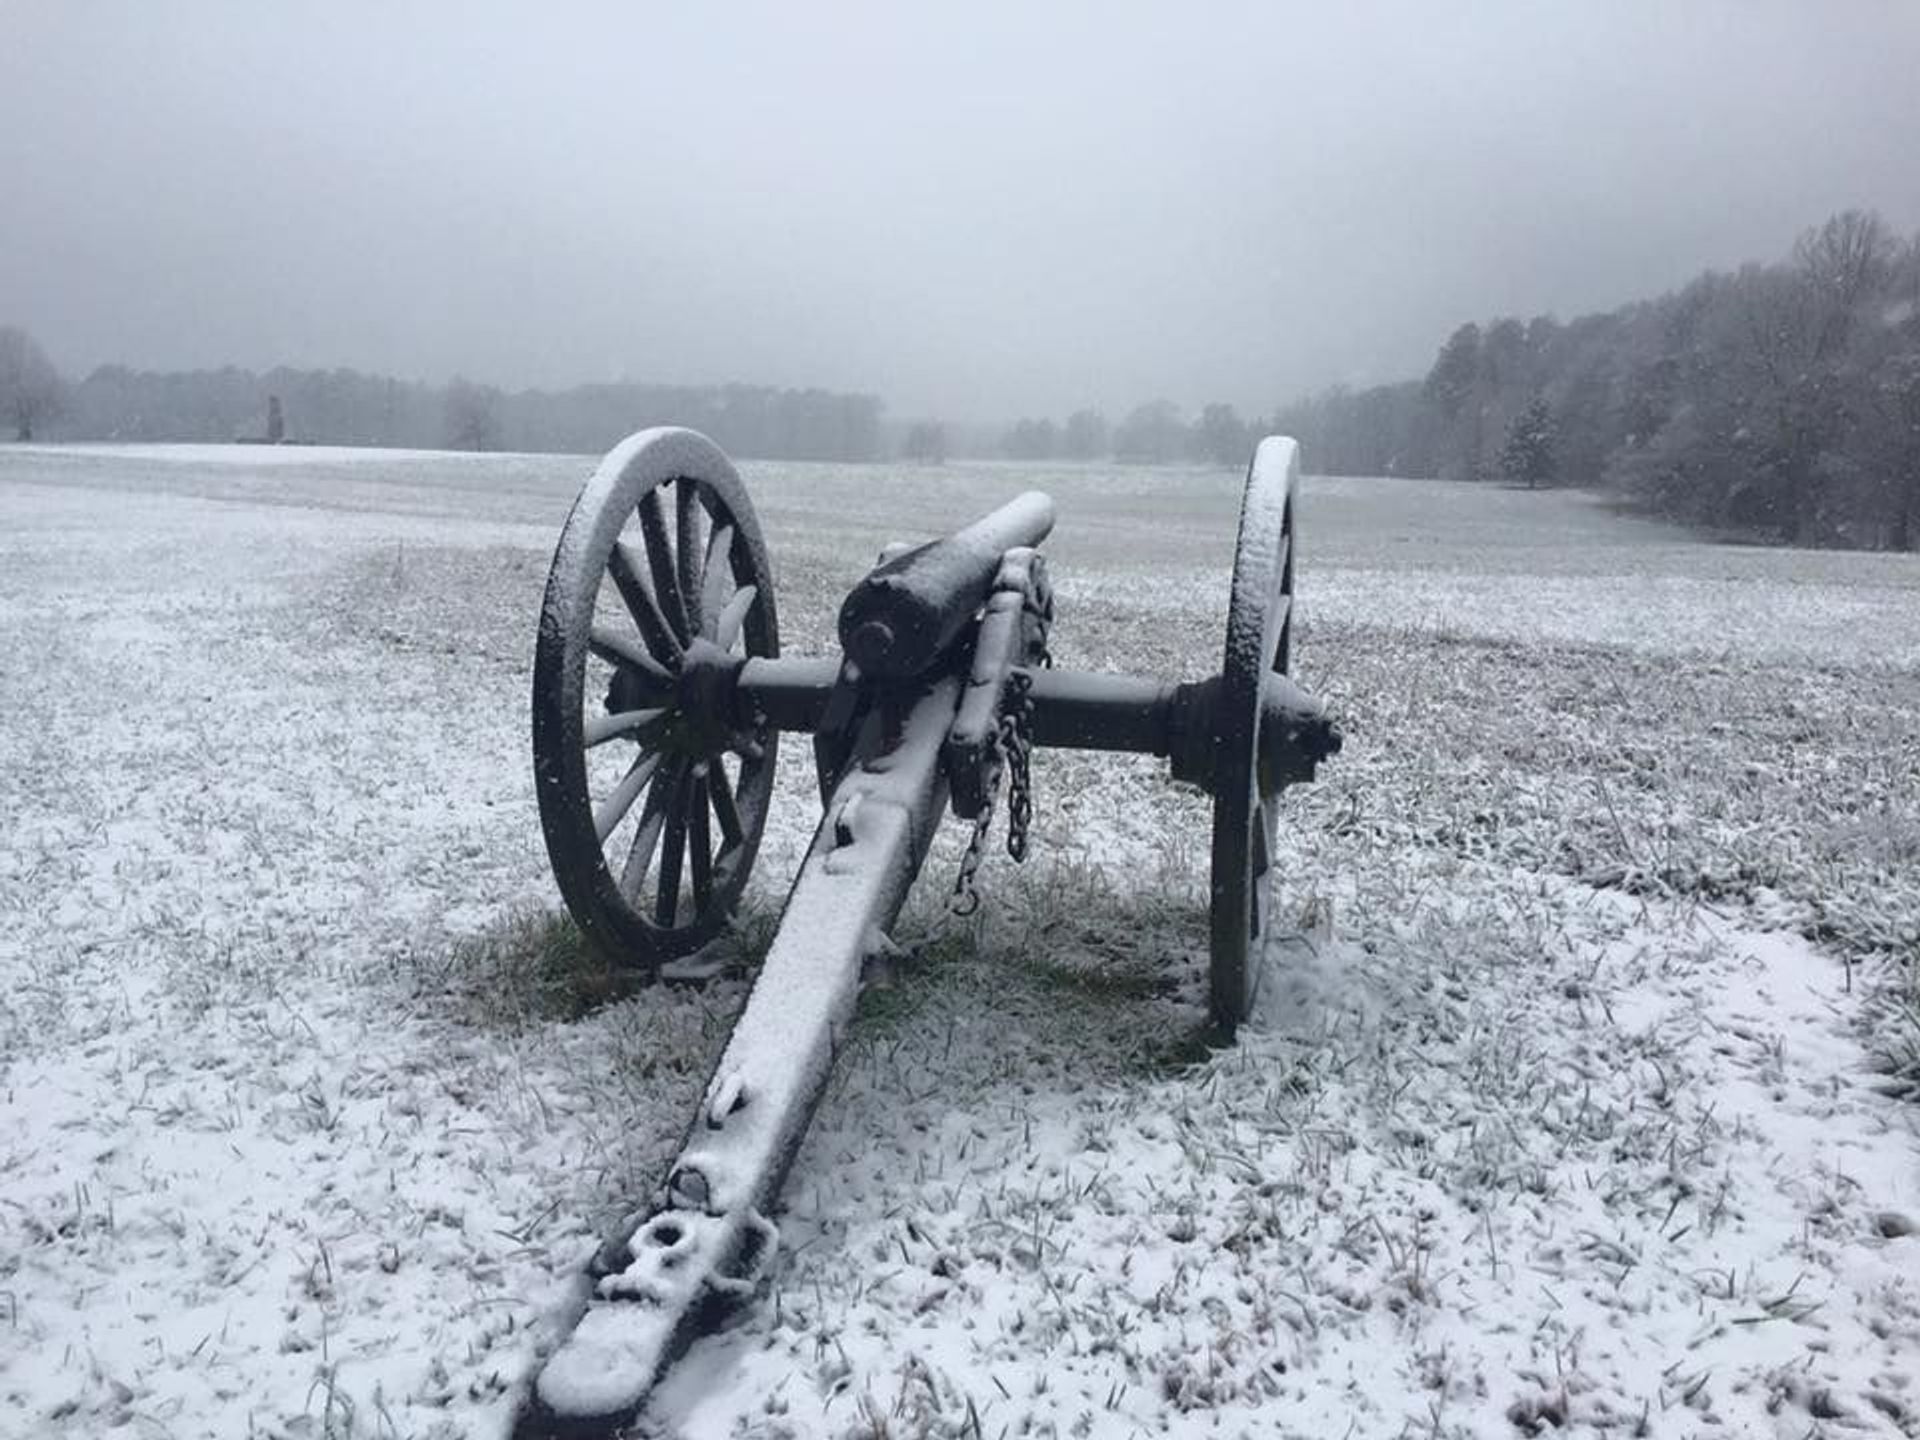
(659, 696)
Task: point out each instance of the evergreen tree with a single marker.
(31, 390)
(1528, 456)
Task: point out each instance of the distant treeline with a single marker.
(346, 407)
(1779, 400)
(1153, 433)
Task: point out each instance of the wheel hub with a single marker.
(700, 714)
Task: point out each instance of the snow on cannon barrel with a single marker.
(659, 696)
(910, 609)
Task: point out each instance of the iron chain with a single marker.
(1014, 746)
(966, 895)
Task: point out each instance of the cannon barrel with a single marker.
(906, 612)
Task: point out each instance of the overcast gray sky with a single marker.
(973, 210)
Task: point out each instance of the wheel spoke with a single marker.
(667, 902)
(686, 521)
(1283, 598)
(699, 840)
(716, 578)
(608, 817)
(625, 567)
(1277, 625)
(666, 588)
(726, 630)
(724, 808)
(602, 728)
(617, 649)
(633, 874)
(1262, 863)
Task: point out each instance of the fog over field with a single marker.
(975, 212)
(539, 898)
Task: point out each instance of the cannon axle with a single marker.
(1071, 710)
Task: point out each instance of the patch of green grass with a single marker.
(535, 966)
(908, 984)
(1096, 984)
(1074, 976)
(532, 965)
(1072, 926)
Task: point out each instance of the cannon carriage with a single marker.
(659, 699)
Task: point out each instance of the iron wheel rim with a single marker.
(1259, 642)
(664, 537)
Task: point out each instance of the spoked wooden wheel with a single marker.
(1259, 641)
(652, 808)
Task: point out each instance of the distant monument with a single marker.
(276, 427)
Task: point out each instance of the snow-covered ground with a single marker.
(1583, 1114)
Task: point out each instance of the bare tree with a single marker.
(1031, 440)
(1453, 388)
(472, 419)
(1085, 436)
(1152, 434)
(31, 390)
(1841, 263)
(1797, 386)
(1890, 438)
(926, 441)
(1220, 436)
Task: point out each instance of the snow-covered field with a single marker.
(1592, 1109)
